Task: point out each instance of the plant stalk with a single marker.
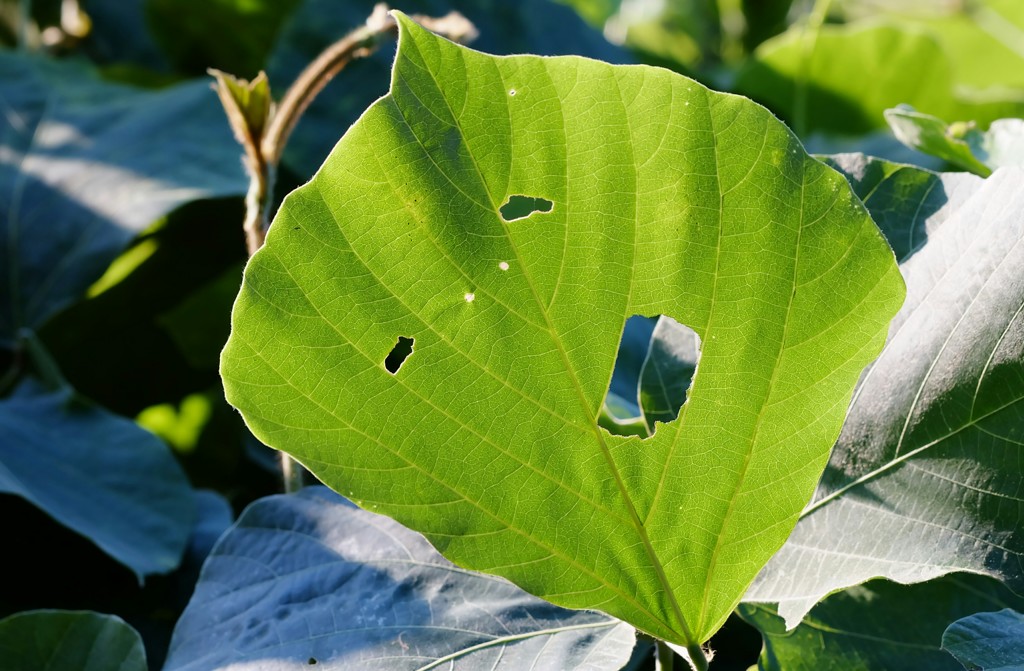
(360, 43)
(808, 42)
(24, 21)
(664, 657)
(265, 147)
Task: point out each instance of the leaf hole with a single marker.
(398, 354)
(520, 207)
(654, 369)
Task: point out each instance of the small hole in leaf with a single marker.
(399, 353)
(520, 207)
(654, 368)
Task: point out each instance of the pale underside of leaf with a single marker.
(925, 478)
(667, 199)
(311, 577)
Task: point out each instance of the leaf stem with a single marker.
(264, 146)
(24, 21)
(360, 43)
(664, 657)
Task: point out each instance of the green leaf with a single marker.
(960, 143)
(983, 38)
(486, 440)
(311, 579)
(933, 136)
(924, 479)
(542, 27)
(851, 74)
(987, 641)
(878, 626)
(98, 474)
(86, 165)
(52, 640)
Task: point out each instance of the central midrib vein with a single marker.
(591, 419)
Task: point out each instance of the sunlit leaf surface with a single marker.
(667, 199)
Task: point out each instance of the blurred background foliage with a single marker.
(141, 336)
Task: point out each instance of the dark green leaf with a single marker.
(86, 165)
(309, 578)
(987, 641)
(486, 439)
(98, 474)
(55, 640)
(925, 478)
(878, 626)
(231, 35)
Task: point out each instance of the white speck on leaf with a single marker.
(470, 297)
(503, 265)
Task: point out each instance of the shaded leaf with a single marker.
(653, 369)
(98, 474)
(84, 165)
(877, 626)
(667, 371)
(925, 477)
(40, 640)
(987, 641)
(487, 440)
(543, 27)
(311, 578)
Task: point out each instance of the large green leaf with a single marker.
(55, 640)
(849, 76)
(667, 199)
(988, 641)
(98, 474)
(543, 27)
(84, 165)
(311, 579)
(879, 626)
(925, 477)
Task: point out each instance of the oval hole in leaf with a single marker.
(520, 207)
(398, 354)
(654, 368)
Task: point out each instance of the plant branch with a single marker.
(808, 42)
(664, 657)
(264, 150)
(263, 129)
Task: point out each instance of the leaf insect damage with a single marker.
(398, 354)
(520, 207)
